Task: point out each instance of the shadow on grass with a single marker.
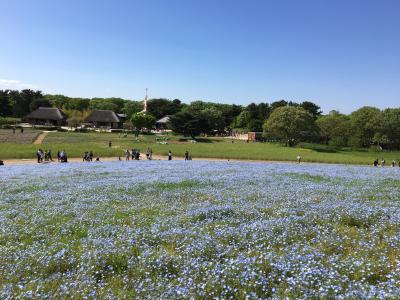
(320, 148)
(198, 140)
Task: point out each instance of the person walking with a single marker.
(38, 155)
(186, 155)
(151, 154)
(298, 159)
(382, 163)
(64, 156)
(49, 155)
(91, 155)
(109, 144)
(393, 163)
(137, 154)
(58, 155)
(22, 130)
(85, 156)
(127, 154)
(169, 155)
(13, 129)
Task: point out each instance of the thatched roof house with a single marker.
(46, 116)
(104, 118)
(161, 124)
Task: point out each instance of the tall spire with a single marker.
(145, 102)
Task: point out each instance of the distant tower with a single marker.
(145, 102)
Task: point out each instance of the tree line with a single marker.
(285, 121)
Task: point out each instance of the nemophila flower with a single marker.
(199, 230)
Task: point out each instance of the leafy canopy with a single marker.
(291, 125)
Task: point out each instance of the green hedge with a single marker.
(9, 121)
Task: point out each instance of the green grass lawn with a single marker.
(77, 143)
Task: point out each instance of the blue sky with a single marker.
(341, 54)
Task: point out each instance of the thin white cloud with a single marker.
(9, 82)
(16, 84)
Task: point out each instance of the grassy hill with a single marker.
(77, 143)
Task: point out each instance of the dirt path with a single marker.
(155, 157)
(40, 138)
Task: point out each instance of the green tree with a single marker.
(312, 108)
(255, 125)
(363, 127)
(35, 104)
(20, 101)
(132, 107)
(227, 112)
(80, 104)
(334, 129)
(73, 122)
(387, 125)
(252, 117)
(242, 120)
(277, 104)
(291, 125)
(214, 118)
(142, 120)
(57, 100)
(163, 107)
(102, 105)
(189, 123)
(5, 107)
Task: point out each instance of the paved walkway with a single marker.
(40, 138)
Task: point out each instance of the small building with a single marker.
(162, 123)
(249, 136)
(122, 117)
(104, 119)
(254, 136)
(49, 116)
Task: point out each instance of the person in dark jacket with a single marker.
(91, 155)
(39, 156)
(376, 162)
(186, 155)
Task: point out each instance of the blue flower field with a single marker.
(198, 229)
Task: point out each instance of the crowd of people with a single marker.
(134, 154)
(62, 156)
(383, 163)
(44, 156)
(88, 156)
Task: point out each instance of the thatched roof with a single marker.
(103, 116)
(163, 120)
(46, 113)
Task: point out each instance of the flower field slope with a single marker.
(199, 230)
